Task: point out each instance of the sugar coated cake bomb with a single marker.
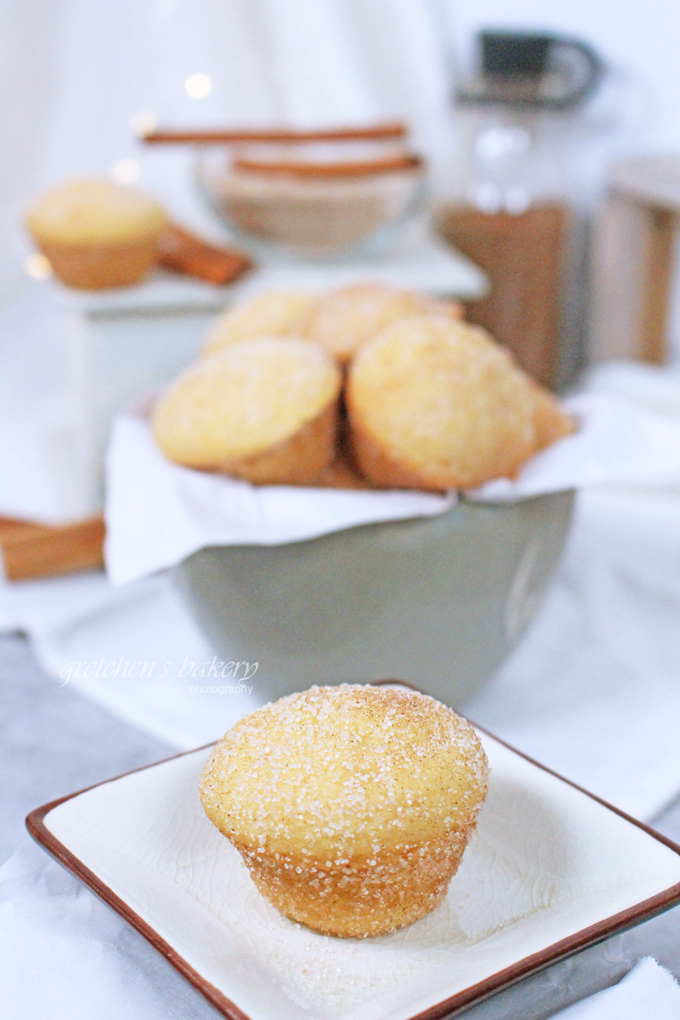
(265, 410)
(95, 233)
(270, 313)
(351, 805)
(342, 320)
(435, 403)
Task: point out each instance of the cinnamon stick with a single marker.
(344, 169)
(184, 252)
(395, 129)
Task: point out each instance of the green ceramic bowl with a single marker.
(437, 601)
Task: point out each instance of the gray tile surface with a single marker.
(53, 741)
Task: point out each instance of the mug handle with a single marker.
(595, 70)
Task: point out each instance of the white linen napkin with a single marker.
(158, 513)
(648, 992)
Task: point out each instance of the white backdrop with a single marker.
(72, 72)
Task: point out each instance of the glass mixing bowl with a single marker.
(313, 198)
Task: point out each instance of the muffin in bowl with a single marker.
(97, 234)
(269, 313)
(343, 320)
(265, 410)
(435, 403)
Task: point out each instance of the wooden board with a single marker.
(36, 550)
(523, 256)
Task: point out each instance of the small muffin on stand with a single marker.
(351, 805)
(265, 410)
(342, 320)
(270, 313)
(97, 234)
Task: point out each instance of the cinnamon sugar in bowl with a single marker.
(317, 198)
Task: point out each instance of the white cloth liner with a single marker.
(648, 991)
(158, 513)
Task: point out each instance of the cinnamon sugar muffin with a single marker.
(436, 404)
(97, 234)
(265, 410)
(270, 313)
(342, 320)
(351, 805)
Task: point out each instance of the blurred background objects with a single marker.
(78, 84)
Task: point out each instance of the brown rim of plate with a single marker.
(293, 136)
(643, 911)
(355, 168)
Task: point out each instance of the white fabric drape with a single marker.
(73, 72)
(72, 75)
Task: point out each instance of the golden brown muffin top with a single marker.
(243, 401)
(270, 313)
(92, 210)
(344, 319)
(360, 768)
(442, 398)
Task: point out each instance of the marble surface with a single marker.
(53, 741)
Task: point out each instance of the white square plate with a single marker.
(550, 870)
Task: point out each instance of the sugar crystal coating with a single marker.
(351, 805)
(435, 403)
(268, 313)
(344, 319)
(243, 401)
